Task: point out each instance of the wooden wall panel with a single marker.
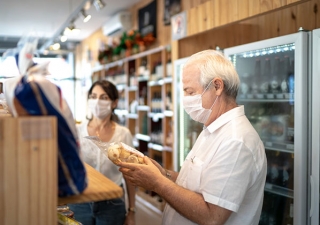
(186, 4)
(317, 17)
(216, 8)
(265, 5)
(193, 18)
(279, 3)
(243, 9)
(306, 11)
(232, 10)
(288, 20)
(202, 17)
(223, 37)
(269, 25)
(292, 1)
(208, 16)
(223, 12)
(254, 7)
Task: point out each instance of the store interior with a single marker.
(137, 50)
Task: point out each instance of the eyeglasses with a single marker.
(101, 97)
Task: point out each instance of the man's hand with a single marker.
(146, 175)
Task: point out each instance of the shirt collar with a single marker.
(225, 118)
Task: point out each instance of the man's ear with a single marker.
(218, 85)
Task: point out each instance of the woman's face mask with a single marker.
(100, 108)
(193, 106)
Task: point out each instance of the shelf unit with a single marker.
(145, 105)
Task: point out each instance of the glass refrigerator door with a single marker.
(186, 130)
(273, 75)
(315, 146)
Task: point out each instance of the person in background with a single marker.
(102, 100)
(222, 178)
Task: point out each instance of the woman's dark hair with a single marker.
(111, 90)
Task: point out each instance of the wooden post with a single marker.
(28, 170)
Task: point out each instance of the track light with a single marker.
(55, 46)
(71, 29)
(98, 4)
(86, 17)
(63, 38)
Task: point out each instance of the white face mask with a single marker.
(100, 108)
(193, 106)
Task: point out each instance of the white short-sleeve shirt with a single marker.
(228, 166)
(97, 157)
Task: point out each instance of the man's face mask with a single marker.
(193, 106)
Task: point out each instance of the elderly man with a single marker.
(222, 179)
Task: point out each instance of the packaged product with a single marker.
(120, 152)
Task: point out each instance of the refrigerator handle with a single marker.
(312, 196)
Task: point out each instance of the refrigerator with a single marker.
(279, 92)
(314, 211)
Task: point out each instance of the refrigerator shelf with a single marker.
(278, 190)
(281, 147)
(158, 147)
(264, 100)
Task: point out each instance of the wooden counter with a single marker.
(99, 188)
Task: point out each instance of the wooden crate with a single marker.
(28, 170)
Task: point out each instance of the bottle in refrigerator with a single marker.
(291, 83)
(285, 76)
(288, 213)
(275, 169)
(244, 85)
(287, 171)
(290, 132)
(264, 85)
(275, 81)
(255, 80)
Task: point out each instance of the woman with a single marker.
(102, 100)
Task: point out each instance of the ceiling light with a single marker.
(71, 30)
(56, 46)
(98, 4)
(86, 17)
(63, 38)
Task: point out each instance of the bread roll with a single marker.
(120, 152)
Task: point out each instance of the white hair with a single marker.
(212, 64)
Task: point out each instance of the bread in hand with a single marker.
(120, 152)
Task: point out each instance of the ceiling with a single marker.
(48, 19)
